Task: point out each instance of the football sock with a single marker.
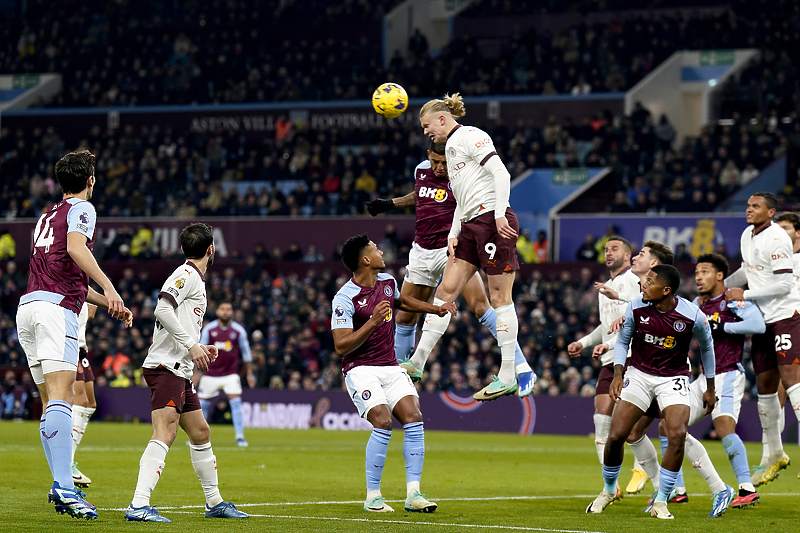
(414, 452)
(507, 328)
(765, 446)
(236, 415)
(696, 454)
(205, 466)
(667, 478)
(80, 419)
(769, 410)
(489, 319)
(610, 475)
(679, 482)
(45, 445)
(737, 455)
(404, 337)
(793, 393)
(602, 424)
(205, 405)
(377, 446)
(58, 432)
(150, 467)
(432, 330)
(646, 456)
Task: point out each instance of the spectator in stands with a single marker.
(540, 247)
(525, 247)
(8, 247)
(587, 250)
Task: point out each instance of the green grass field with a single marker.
(314, 481)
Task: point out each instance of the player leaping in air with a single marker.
(427, 262)
(484, 230)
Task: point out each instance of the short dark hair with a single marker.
(791, 218)
(437, 148)
(717, 261)
(661, 252)
(351, 251)
(770, 198)
(669, 276)
(74, 170)
(195, 240)
(625, 242)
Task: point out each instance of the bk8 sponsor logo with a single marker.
(666, 342)
(440, 195)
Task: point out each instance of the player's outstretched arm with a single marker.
(345, 340)
(752, 322)
(737, 279)
(77, 250)
(382, 205)
(412, 305)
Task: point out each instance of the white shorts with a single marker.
(48, 332)
(375, 385)
(210, 386)
(640, 388)
(425, 267)
(729, 388)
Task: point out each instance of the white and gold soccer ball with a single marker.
(390, 100)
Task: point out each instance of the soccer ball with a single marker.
(390, 100)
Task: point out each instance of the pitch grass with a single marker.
(482, 482)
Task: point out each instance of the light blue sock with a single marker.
(414, 450)
(737, 454)
(205, 405)
(377, 446)
(610, 475)
(236, 415)
(679, 481)
(404, 337)
(45, 445)
(666, 483)
(489, 319)
(58, 433)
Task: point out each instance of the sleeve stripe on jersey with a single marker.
(169, 297)
(488, 156)
(783, 271)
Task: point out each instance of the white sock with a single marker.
(769, 410)
(521, 368)
(205, 466)
(696, 453)
(432, 330)
(647, 457)
(764, 445)
(371, 494)
(602, 425)
(793, 394)
(150, 467)
(507, 328)
(411, 488)
(80, 419)
(747, 486)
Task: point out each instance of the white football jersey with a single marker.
(467, 149)
(766, 256)
(185, 289)
(796, 268)
(627, 286)
(83, 319)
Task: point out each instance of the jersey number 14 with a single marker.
(44, 233)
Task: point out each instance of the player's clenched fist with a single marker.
(381, 312)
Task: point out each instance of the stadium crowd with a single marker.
(287, 317)
(247, 51)
(307, 172)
